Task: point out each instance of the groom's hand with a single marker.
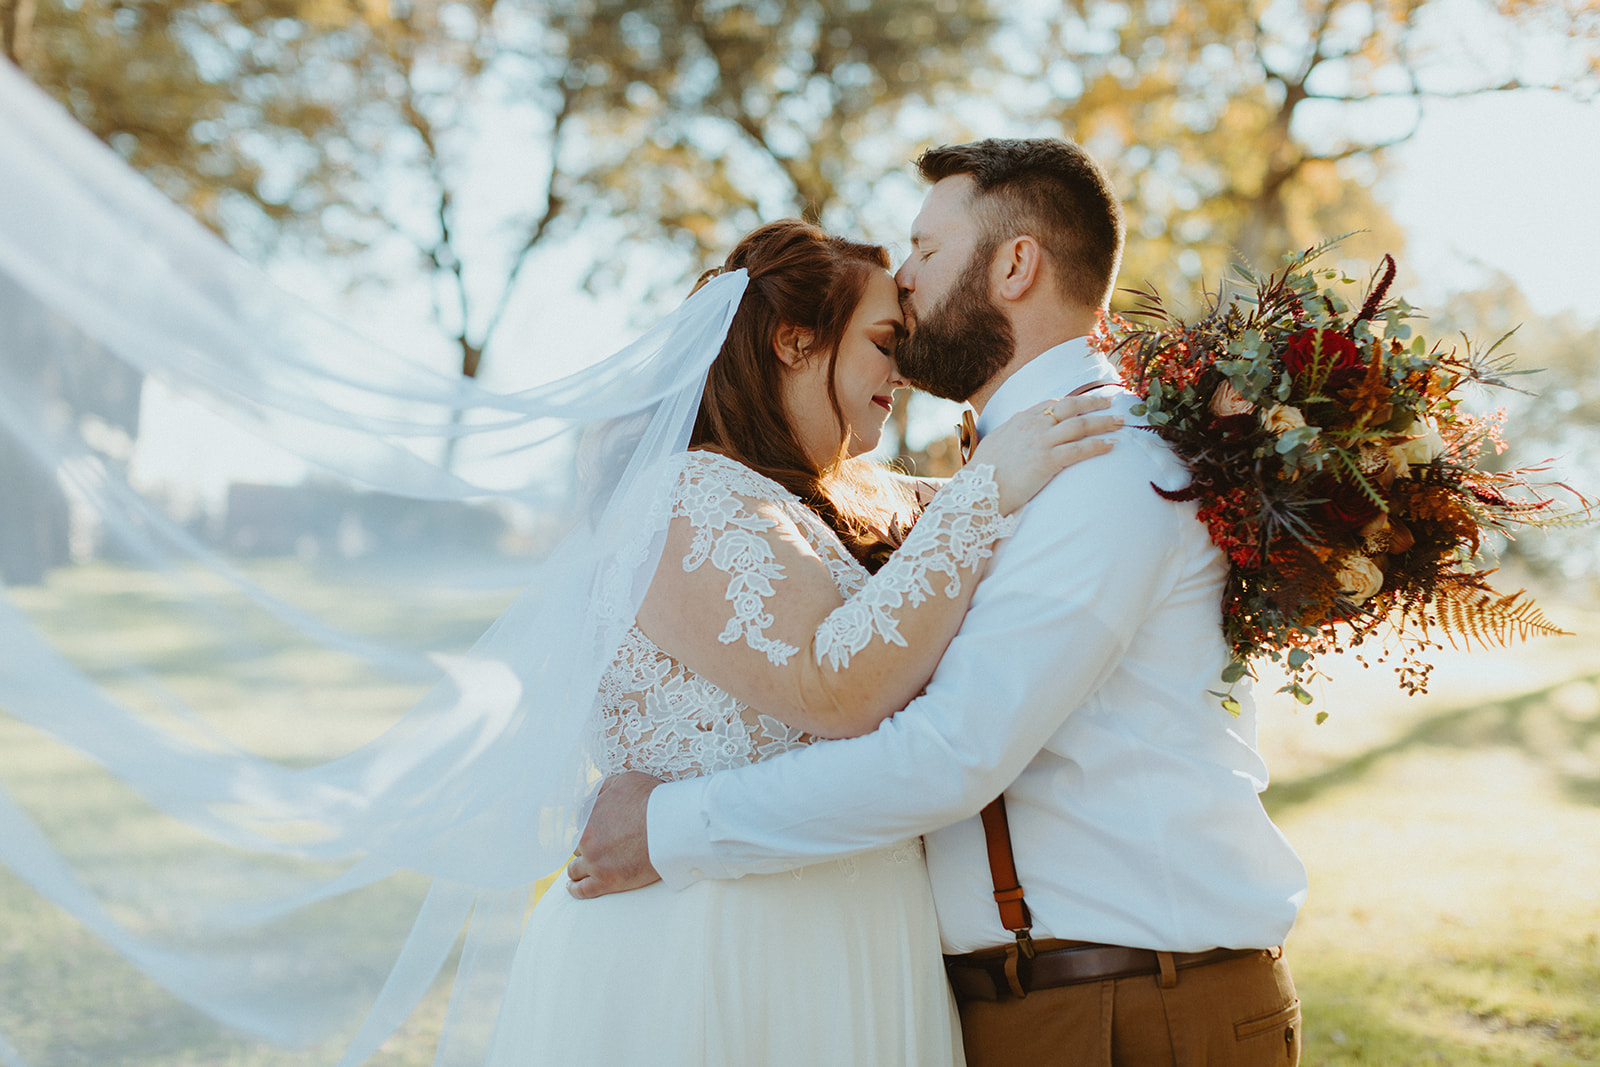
(613, 853)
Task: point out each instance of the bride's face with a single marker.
(865, 378)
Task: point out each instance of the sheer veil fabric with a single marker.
(279, 740)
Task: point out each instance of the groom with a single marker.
(1159, 893)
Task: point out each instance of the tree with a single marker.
(710, 117)
(357, 127)
(226, 107)
(1236, 127)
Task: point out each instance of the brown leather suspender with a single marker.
(1014, 915)
(1003, 868)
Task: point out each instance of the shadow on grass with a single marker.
(1532, 721)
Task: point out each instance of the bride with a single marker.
(694, 540)
(765, 627)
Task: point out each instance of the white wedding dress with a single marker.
(836, 963)
(313, 865)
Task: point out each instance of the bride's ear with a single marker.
(791, 344)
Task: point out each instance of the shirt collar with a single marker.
(1054, 372)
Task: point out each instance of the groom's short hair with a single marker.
(1051, 190)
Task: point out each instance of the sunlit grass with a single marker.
(1453, 842)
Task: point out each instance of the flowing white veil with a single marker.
(280, 750)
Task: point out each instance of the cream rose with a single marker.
(1424, 445)
(1228, 401)
(1281, 418)
(1359, 578)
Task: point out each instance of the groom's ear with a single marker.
(791, 344)
(1018, 267)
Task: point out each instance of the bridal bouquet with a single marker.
(1337, 466)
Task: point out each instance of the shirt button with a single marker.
(696, 872)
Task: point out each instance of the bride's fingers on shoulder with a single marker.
(1056, 411)
(1070, 452)
(1077, 427)
(1063, 408)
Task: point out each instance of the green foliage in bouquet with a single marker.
(1336, 464)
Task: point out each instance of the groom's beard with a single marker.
(960, 344)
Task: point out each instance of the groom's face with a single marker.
(959, 338)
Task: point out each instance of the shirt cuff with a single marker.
(678, 833)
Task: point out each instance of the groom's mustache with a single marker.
(908, 313)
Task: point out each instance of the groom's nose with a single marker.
(903, 278)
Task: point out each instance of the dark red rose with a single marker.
(1338, 352)
(1347, 507)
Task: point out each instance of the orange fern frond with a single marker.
(1475, 615)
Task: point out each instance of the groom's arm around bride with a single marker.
(1078, 684)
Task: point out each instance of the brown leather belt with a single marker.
(984, 975)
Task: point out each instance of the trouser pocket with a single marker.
(1270, 1039)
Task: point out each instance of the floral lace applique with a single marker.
(657, 715)
(728, 532)
(958, 530)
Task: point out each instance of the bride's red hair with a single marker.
(807, 278)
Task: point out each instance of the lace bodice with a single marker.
(743, 535)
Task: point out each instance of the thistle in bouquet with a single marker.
(1336, 462)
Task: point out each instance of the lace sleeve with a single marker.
(956, 532)
(730, 532)
(748, 599)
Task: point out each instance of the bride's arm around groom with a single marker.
(1077, 684)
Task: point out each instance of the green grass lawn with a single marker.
(1453, 842)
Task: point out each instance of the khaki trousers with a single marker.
(1237, 1013)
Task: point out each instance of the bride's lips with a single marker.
(886, 403)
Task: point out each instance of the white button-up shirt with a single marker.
(1078, 685)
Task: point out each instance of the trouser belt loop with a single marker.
(1169, 970)
(1013, 979)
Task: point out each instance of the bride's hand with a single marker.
(1035, 445)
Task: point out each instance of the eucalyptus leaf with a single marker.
(1299, 437)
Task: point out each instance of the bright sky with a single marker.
(1507, 182)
